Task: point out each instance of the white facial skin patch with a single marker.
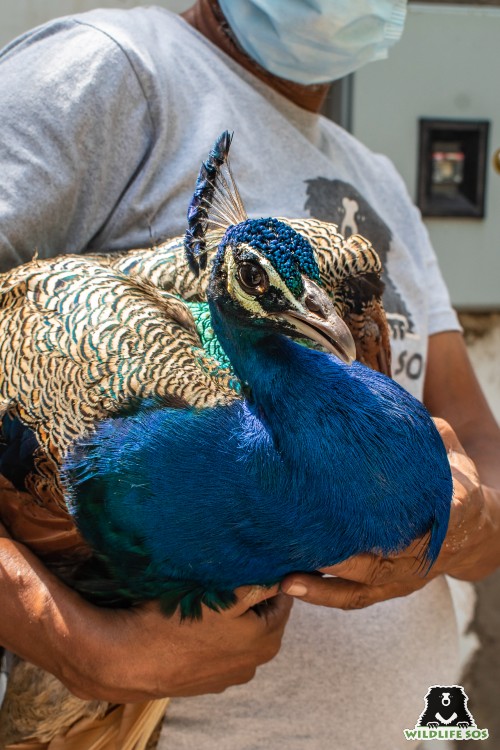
(248, 301)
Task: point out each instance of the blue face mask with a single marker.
(315, 41)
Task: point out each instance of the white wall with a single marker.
(17, 16)
(445, 66)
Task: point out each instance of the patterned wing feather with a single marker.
(350, 271)
(81, 341)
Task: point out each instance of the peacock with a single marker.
(235, 381)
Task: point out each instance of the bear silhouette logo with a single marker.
(446, 706)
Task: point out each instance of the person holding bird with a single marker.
(106, 117)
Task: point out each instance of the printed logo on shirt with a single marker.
(446, 717)
(340, 203)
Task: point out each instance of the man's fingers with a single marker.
(341, 594)
(336, 592)
(250, 596)
(374, 570)
(364, 568)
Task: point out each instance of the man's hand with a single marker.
(154, 656)
(131, 655)
(470, 551)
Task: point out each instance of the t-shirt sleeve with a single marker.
(75, 130)
(442, 316)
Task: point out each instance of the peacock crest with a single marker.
(215, 206)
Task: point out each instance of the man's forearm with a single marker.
(124, 656)
(33, 624)
(484, 449)
(481, 443)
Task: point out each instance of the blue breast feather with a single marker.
(325, 461)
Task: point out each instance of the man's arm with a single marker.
(453, 393)
(124, 656)
(472, 546)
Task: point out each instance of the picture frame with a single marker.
(452, 158)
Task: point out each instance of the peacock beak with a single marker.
(317, 320)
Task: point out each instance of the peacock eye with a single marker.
(252, 278)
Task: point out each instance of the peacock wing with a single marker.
(350, 271)
(79, 342)
(164, 266)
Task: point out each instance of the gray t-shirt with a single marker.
(106, 117)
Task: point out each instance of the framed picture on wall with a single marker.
(452, 167)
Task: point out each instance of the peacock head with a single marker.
(265, 279)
